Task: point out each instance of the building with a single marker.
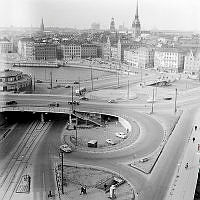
(88, 51)
(95, 26)
(140, 57)
(136, 24)
(11, 80)
(71, 50)
(116, 52)
(6, 47)
(169, 59)
(112, 26)
(45, 51)
(106, 52)
(192, 62)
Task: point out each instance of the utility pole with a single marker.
(79, 85)
(75, 128)
(92, 78)
(51, 83)
(128, 90)
(118, 78)
(152, 102)
(34, 82)
(72, 98)
(62, 173)
(175, 108)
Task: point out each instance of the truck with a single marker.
(80, 92)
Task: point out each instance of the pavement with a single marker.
(183, 184)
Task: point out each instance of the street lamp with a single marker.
(72, 98)
(62, 174)
(152, 102)
(175, 106)
(91, 74)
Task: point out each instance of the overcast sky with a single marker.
(160, 14)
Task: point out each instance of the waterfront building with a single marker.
(169, 59)
(45, 51)
(116, 52)
(71, 50)
(107, 50)
(140, 57)
(6, 47)
(136, 24)
(192, 62)
(11, 80)
(88, 51)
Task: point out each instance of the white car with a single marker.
(109, 141)
(121, 135)
(66, 148)
(151, 101)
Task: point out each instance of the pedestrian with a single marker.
(193, 139)
(105, 187)
(186, 166)
(195, 127)
(82, 190)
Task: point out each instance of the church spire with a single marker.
(42, 26)
(136, 13)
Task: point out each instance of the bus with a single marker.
(80, 92)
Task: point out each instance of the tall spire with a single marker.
(136, 14)
(42, 26)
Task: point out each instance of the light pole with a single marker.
(175, 107)
(62, 173)
(152, 102)
(72, 98)
(75, 128)
(34, 82)
(141, 72)
(128, 90)
(51, 83)
(91, 77)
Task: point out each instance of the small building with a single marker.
(11, 80)
(192, 62)
(88, 51)
(6, 47)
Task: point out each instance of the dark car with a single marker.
(11, 103)
(76, 82)
(74, 102)
(54, 104)
(84, 98)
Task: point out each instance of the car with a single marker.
(121, 135)
(67, 86)
(38, 81)
(167, 98)
(76, 82)
(84, 98)
(74, 102)
(54, 104)
(11, 103)
(144, 160)
(109, 141)
(112, 101)
(151, 101)
(66, 148)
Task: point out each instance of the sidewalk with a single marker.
(183, 184)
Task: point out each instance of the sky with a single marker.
(153, 14)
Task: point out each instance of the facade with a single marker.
(136, 25)
(169, 59)
(141, 57)
(88, 51)
(192, 62)
(45, 51)
(6, 47)
(71, 50)
(112, 26)
(11, 80)
(107, 50)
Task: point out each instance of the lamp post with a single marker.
(75, 128)
(152, 102)
(72, 98)
(175, 106)
(51, 81)
(91, 74)
(62, 173)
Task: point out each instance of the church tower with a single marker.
(136, 24)
(42, 26)
(112, 26)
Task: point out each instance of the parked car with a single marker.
(66, 148)
(74, 102)
(84, 98)
(121, 135)
(76, 82)
(109, 141)
(112, 101)
(11, 103)
(151, 101)
(67, 86)
(54, 104)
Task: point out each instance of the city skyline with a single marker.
(153, 14)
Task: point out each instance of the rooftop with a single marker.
(9, 73)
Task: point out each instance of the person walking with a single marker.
(82, 190)
(195, 127)
(193, 139)
(186, 166)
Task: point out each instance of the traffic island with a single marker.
(95, 181)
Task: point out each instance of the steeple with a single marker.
(136, 13)
(42, 26)
(136, 24)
